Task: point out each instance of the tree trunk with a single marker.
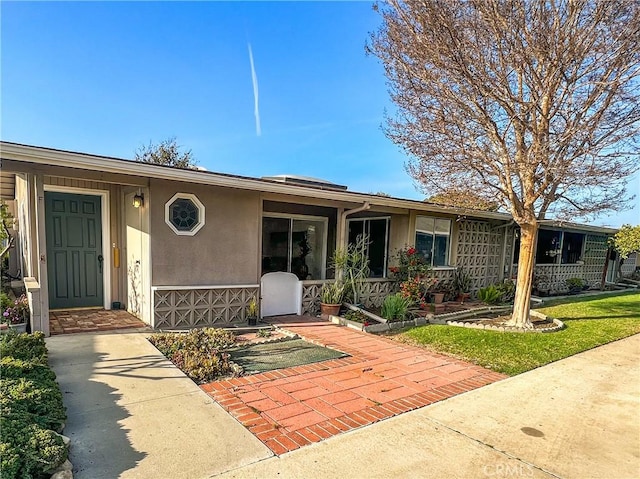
(605, 268)
(526, 262)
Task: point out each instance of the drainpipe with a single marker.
(342, 240)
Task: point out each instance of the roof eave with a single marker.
(69, 159)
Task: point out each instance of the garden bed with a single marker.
(496, 321)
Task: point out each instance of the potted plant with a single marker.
(331, 297)
(575, 285)
(462, 284)
(438, 297)
(17, 314)
(252, 312)
(352, 266)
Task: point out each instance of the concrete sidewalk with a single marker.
(577, 418)
(132, 414)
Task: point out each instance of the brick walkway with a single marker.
(290, 408)
(91, 320)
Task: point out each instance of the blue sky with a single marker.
(106, 78)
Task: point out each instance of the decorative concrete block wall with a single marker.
(479, 252)
(216, 306)
(373, 293)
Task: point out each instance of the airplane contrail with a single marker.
(254, 78)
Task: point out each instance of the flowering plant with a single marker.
(416, 289)
(17, 313)
(410, 264)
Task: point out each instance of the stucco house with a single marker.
(182, 248)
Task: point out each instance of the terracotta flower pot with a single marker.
(438, 298)
(329, 309)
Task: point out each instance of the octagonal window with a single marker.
(184, 214)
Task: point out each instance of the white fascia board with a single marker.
(46, 156)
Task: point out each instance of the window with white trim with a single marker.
(184, 214)
(433, 239)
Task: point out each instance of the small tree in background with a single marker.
(165, 153)
(532, 104)
(627, 240)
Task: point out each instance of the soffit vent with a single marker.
(305, 181)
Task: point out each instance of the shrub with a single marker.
(202, 366)
(204, 339)
(24, 346)
(575, 283)
(507, 291)
(30, 407)
(490, 295)
(197, 353)
(41, 401)
(357, 316)
(415, 290)
(12, 368)
(411, 264)
(28, 450)
(5, 301)
(395, 307)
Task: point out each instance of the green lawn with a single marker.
(590, 322)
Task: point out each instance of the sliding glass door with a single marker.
(295, 244)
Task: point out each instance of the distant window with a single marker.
(184, 214)
(433, 239)
(555, 247)
(572, 247)
(549, 248)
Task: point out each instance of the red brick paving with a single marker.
(290, 408)
(91, 320)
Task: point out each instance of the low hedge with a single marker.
(31, 409)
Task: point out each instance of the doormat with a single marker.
(258, 358)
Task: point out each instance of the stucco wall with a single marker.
(225, 251)
(398, 234)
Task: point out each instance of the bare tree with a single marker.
(166, 153)
(533, 104)
(463, 199)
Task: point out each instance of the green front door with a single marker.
(74, 250)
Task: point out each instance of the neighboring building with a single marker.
(186, 248)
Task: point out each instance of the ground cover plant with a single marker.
(590, 322)
(200, 353)
(31, 409)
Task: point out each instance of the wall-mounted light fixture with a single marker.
(138, 200)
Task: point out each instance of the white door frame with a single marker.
(106, 235)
